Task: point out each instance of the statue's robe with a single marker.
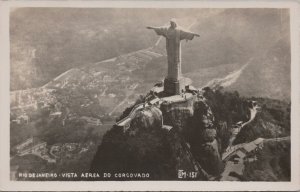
(173, 38)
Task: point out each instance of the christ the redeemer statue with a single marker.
(173, 84)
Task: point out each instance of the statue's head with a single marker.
(173, 23)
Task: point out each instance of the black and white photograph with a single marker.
(180, 94)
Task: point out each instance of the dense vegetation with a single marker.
(51, 41)
(121, 151)
(274, 162)
(148, 151)
(272, 121)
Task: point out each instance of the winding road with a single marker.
(253, 112)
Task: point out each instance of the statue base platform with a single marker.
(172, 87)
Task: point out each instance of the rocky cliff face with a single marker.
(196, 125)
(150, 119)
(145, 147)
(171, 140)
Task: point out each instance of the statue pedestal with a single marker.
(172, 87)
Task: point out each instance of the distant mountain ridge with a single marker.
(227, 36)
(268, 75)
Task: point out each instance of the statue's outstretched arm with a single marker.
(187, 35)
(196, 34)
(159, 30)
(149, 27)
